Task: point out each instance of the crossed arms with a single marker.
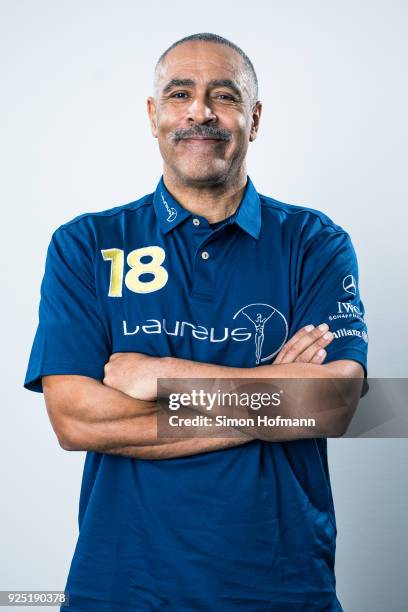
(119, 415)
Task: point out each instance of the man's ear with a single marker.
(256, 116)
(151, 111)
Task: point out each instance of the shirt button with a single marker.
(205, 254)
(196, 221)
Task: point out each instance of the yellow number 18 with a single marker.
(137, 268)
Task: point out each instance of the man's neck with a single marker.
(214, 203)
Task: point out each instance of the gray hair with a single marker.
(214, 38)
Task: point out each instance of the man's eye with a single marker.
(226, 96)
(178, 93)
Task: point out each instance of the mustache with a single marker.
(203, 132)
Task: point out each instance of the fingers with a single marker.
(318, 357)
(304, 346)
(309, 353)
(304, 331)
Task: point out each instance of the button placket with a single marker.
(204, 268)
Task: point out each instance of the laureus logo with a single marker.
(172, 212)
(269, 325)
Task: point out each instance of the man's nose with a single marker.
(200, 111)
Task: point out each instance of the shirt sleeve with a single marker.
(328, 292)
(71, 337)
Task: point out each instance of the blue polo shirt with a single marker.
(245, 528)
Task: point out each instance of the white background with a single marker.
(75, 138)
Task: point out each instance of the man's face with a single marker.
(202, 112)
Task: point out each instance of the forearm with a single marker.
(102, 419)
(87, 415)
(155, 445)
(185, 368)
(140, 438)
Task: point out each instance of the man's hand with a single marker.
(136, 374)
(306, 346)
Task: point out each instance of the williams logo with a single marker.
(343, 333)
(172, 212)
(260, 315)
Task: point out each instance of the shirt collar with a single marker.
(170, 213)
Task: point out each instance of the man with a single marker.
(205, 277)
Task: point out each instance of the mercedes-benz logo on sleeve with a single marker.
(349, 284)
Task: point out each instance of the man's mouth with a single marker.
(200, 139)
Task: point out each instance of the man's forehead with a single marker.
(203, 63)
